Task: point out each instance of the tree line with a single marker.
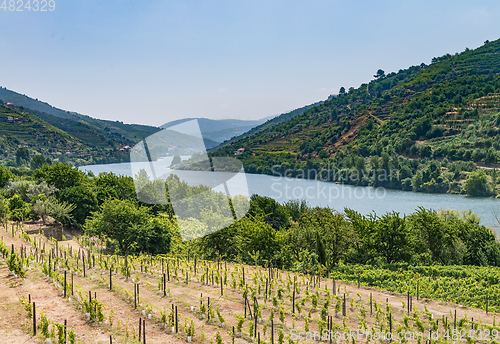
(292, 235)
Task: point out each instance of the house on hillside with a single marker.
(11, 105)
(125, 148)
(10, 118)
(239, 151)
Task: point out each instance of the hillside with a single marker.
(429, 123)
(269, 123)
(98, 132)
(52, 132)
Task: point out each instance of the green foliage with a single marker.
(132, 227)
(60, 211)
(15, 264)
(22, 156)
(43, 325)
(111, 186)
(320, 249)
(477, 184)
(4, 208)
(250, 234)
(39, 160)
(464, 285)
(60, 175)
(176, 160)
(71, 337)
(19, 210)
(5, 176)
(84, 200)
(424, 237)
(275, 214)
(189, 327)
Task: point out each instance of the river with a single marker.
(362, 199)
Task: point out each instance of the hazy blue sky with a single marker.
(154, 61)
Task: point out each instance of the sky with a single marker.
(151, 62)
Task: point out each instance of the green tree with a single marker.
(391, 238)
(4, 208)
(18, 209)
(39, 160)
(335, 231)
(5, 176)
(320, 249)
(430, 234)
(41, 208)
(477, 184)
(380, 74)
(83, 198)
(60, 175)
(132, 227)
(59, 211)
(255, 235)
(416, 181)
(34, 190)
(274, 213)
(176, 160)
(22, 156)
(109, 185)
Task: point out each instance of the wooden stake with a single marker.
(272, 331)
(34, 319)
(176, 321)
(371, 305)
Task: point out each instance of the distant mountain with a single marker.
(219, 130)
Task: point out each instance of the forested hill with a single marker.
(432, 123)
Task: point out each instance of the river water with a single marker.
(362, 199)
